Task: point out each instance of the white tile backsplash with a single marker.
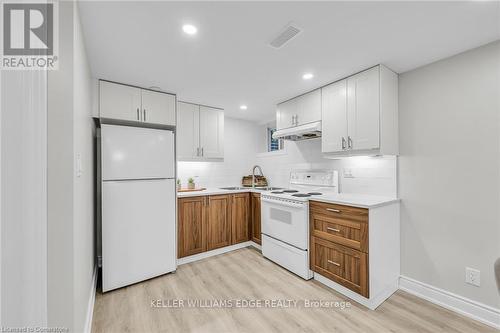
(360, 174)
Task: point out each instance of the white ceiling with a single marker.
(229, 61)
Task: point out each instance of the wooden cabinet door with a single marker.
(363, 109)
(191, 226)
(118, 101)
(188, 131)
(343, 265)
(334, 117)
(255, 230)
(240, 217)
(158, 108)
(308, 108)
(211, 132)
(218, 221)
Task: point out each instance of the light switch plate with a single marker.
(79, 169)
(472, 276)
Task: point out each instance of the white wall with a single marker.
(60, 177)
(23, 205)
(449, 172)
(70, 198)
(83, 198)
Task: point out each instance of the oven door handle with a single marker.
(283, 203)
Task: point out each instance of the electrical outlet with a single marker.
(472, 276)
(348, 173)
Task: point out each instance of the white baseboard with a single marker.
(467, 307)
(208, 254)
(371, 303)
(90, 307)
(257, 246)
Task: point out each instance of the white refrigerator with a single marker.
(138, 204)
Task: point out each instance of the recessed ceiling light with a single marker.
(189, 29)
(307, 76)
(243, 107)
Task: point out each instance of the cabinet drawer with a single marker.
(341, 264)
(339, 211)
(353, 234)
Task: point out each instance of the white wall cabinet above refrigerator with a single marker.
(300, 110)
(360, 114)
(200, 132)
(123, 102)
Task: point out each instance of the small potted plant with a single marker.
(191, 184)
(179, 184)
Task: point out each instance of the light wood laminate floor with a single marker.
(245, 274)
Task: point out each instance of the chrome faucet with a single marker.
(253, 174)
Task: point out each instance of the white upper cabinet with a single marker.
(200, 132)
(285, 114)
(308, 108)
(119, 101)
(158, 108)
(334, 117)
(363, 110)
(300, 110)
(188, 131)
(211, 132)
(360, 114)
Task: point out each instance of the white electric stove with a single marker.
(285, 218)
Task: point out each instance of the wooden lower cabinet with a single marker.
(210, 222)
(218, 221)
(191, 234)
(255, 231)
(339, 245)
(240, 217)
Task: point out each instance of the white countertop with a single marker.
(356, 200)
(215, 191)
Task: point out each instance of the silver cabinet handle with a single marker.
(201, 151)
(198, 151)
(333, 210)
(333, 229)
(144, 115)
(349, 142)
(334, 263)
(138, 114)
(343, 143)
(293, 120)
(296, 119)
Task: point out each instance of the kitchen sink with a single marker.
(268, 188)
(232, 188)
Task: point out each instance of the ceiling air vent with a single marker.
(289, 32)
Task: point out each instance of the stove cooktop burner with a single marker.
(315, 193)
(277, 192)
(290, 191)
(301, 195)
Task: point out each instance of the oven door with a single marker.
(285, 220)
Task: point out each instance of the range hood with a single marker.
(302, 132)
